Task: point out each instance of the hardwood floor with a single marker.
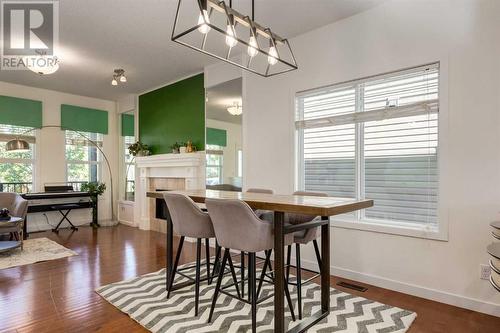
(58, 296)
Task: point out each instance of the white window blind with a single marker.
(374, 138)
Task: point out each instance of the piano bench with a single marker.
(68, 208)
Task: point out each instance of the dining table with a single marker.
(325, 207)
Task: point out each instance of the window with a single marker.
(374, 138)
(129, 168)
(83, 159)
(215, 159)
(16, 168)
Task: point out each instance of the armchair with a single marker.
(17, 207)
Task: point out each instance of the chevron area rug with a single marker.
(144, 300)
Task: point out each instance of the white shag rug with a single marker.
(34, 250)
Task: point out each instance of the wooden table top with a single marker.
(319, 206)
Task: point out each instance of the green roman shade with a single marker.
(127, 125)
(20, 112)
(84, 119)
(216, 136)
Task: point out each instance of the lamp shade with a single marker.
(17, 145)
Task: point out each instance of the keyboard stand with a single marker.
(68, 208)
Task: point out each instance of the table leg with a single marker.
(170, 248)
(325, 267)
(279, 261)
(25, 228)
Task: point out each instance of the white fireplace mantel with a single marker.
(189, 166)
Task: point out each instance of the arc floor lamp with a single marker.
(20, 145)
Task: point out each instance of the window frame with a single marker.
(34, 161)
(98, 163)
(218, 151)
(125, 167)
(438, 231)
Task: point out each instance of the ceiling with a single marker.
(220, 97)
(98, 36)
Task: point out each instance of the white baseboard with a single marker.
(129, 223)
(411, 289)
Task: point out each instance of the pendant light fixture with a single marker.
(225, 34)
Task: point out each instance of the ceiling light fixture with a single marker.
(118, 75)
(42, 63)
(236, 109)
(230, 26)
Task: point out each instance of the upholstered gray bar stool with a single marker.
(237, 227)
(259, 213)
(189, 220)
(302, 238)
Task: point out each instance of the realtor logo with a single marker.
(29, 32)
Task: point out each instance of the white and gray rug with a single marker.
(34, 250)
(144, 300)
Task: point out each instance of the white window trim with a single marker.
(34, 161)
(98, 162)
(438, 232)
(123, 170)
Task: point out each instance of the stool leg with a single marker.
(218, 284)
(299, 279)
(263, 273)
(197, 278)
(176, 263)
(207, 257)
(233, 273)
(242, 264)
(288, 258)
(216, 262)
(252, 285)
(316, 250)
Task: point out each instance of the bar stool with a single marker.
(237, 227)
(302, 238)
(189, 220)
(260, 213)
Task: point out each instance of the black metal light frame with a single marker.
(234, 16)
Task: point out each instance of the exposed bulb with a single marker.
(252, 47)
(204, 28)
(272, 58)
(114, 82)
(123, 78)
(231, 41)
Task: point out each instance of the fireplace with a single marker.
(165, 172)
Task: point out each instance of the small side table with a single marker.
(14, 224)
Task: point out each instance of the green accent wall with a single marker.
(174, 113)
(20, 112)
(84, 119)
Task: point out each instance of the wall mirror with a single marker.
(224, 168)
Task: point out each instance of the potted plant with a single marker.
(175, 148)
(139, 149)
(95, 189)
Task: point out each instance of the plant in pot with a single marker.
(175, 147)
(139, 149)
(95, 189)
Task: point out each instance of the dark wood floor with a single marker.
(58, 295)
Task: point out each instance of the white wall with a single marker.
(464, 36)
(230, 164)
(50, 148)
